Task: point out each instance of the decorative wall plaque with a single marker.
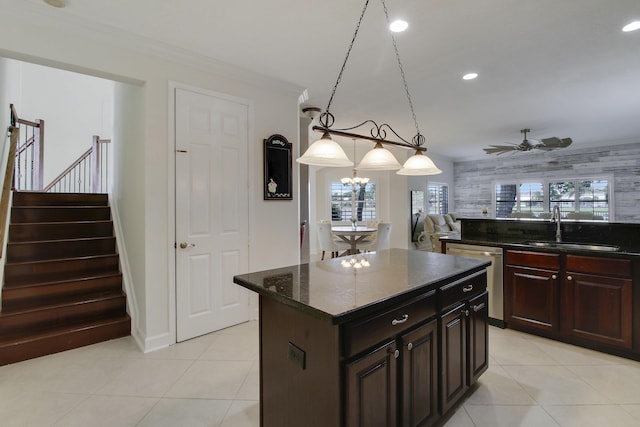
(277, 168)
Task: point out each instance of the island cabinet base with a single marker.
(300, 377)
(385, 367)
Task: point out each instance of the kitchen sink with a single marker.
(576, 246)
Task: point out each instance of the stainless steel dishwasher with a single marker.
(494, 275)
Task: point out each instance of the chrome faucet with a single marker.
(555, 217)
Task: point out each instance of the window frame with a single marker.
(346, 188)
(546, 181)
(428, 197)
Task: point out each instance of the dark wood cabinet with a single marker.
(531, 298)
(531, 291)
(585, 300)
(463, 325)
(419, 398)
(371, 397)
(596, 302)
(478, 337)
(453, 357)
(396, 383)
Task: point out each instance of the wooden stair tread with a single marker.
(68, 302)
(62, 281)
(59, 331)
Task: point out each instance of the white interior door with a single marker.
(211, 212)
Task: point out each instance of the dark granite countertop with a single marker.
(337, 293)
(519, 245)
(515, 233)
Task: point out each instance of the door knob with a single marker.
(185, 245)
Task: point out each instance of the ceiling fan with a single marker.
(545, 144)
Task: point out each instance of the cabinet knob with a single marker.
(409, 346)
(465, 312)
(554, 276)
(403, 319)
(569, 278)
(396, 354)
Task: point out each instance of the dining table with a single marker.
(353, 235)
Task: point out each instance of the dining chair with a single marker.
(382, 240)
(327, 243)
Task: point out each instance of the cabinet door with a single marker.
(371, 398)
(598, 308)
(453, 356)
(419, 399)
(478, 336)
(531, 299)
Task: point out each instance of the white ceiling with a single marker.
(559, 67)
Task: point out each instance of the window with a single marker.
(589, 201)
(365, 201)
(577, 198)
(438, 198)
(506, 195)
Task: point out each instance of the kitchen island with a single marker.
(385, 339)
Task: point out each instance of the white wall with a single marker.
(74, 107)
(144, 201)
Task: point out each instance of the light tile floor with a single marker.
(213, 381)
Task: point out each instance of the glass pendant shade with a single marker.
(419, 164)
(379, 159)
(325, 152)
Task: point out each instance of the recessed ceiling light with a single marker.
(470, 76)
(398, 26)
(56, 3)
(633, 26)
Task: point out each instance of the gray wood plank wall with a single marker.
(474, 180)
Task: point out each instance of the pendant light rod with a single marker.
(368, 138)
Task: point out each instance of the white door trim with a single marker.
(171, 186)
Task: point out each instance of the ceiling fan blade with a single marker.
(553, 143)
(500, 149)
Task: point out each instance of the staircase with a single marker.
(62, 281)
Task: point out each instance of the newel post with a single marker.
(95, 164)
(38, 156)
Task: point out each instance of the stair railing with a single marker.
(8, 165)
(29, 156)
(88, 174)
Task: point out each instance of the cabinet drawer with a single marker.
(597, 265)
(463, 289)
(363, 334)
(534, 259)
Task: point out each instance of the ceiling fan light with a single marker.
(325, 152)
(419, 164)
(379, 158)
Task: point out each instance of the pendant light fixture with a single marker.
(419, 164)
(325, 152)
(379, 158)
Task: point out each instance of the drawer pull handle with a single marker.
(410, 346)
(403, 319)
(477, 308)
(467, 288)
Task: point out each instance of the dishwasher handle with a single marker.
(471, 252)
